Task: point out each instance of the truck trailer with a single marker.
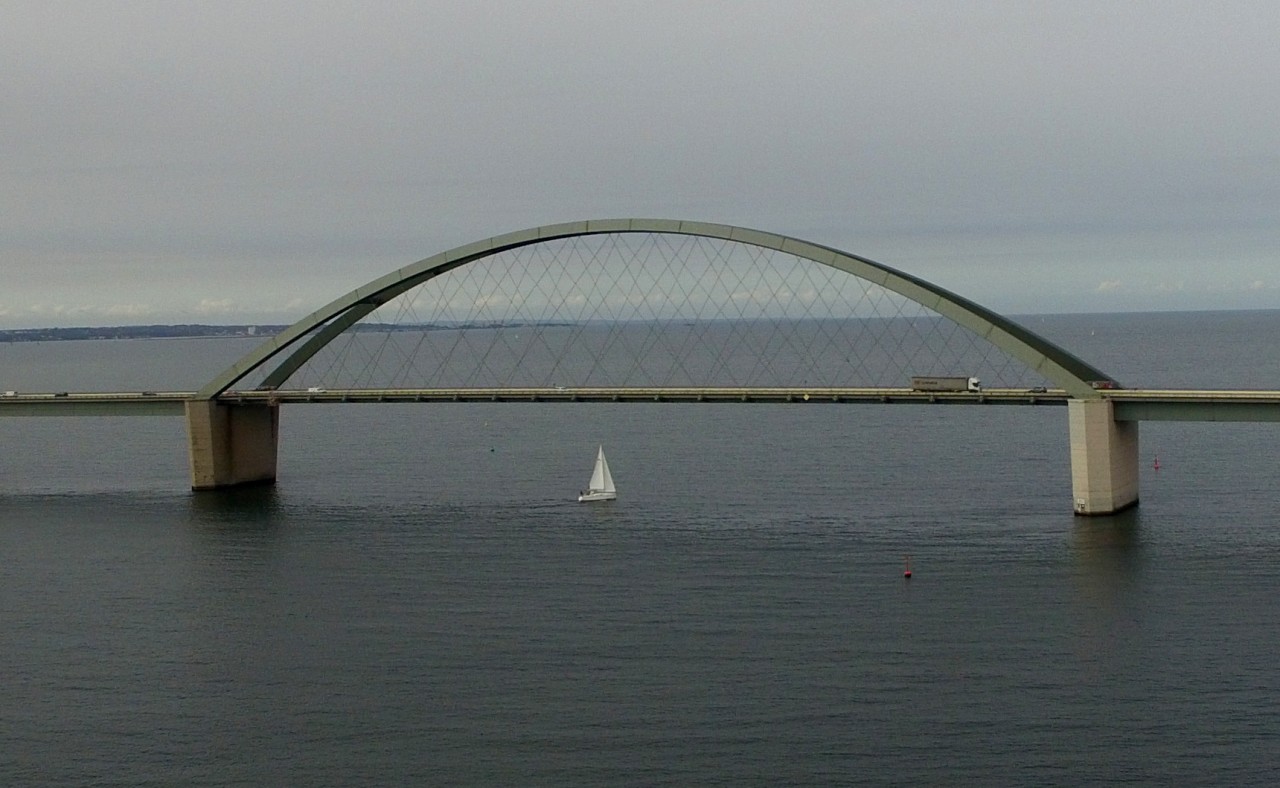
(920, 383)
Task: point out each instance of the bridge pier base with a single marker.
(232, 445)
(1104, 458)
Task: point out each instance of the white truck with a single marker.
(922, 383)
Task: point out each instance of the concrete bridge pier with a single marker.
(1104, 458)
(232, 445)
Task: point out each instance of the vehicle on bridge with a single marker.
(921, 383)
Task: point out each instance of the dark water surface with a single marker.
(419, 600)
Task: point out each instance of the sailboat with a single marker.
(601, 486)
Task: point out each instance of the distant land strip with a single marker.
(196, 330)
(134, 332)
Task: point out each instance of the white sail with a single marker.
(601, 486)
(602, 470)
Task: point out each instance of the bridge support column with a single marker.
(232, 444)
(1104, 458)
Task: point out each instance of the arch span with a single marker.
(1055, 364)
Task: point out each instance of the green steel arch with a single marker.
(1052, 362)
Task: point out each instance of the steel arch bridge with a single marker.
(301, 341)
(233, 431)
(233, 426)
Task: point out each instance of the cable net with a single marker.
(652, 310)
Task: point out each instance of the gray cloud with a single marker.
(265, 154)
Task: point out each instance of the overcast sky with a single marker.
(249, 161)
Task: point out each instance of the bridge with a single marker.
(656, 311)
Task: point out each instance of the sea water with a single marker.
(421, 600)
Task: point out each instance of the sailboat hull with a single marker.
(596, 495)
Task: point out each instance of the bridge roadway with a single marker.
(1129, 404)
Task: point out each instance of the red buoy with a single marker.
(1156, 464)
(906, 571)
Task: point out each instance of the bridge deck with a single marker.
(171, 402)
(1130, 404)
(62, 403)
(1194, 405)
(659, 394)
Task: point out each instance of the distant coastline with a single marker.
(183, 331)
(199, 330)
